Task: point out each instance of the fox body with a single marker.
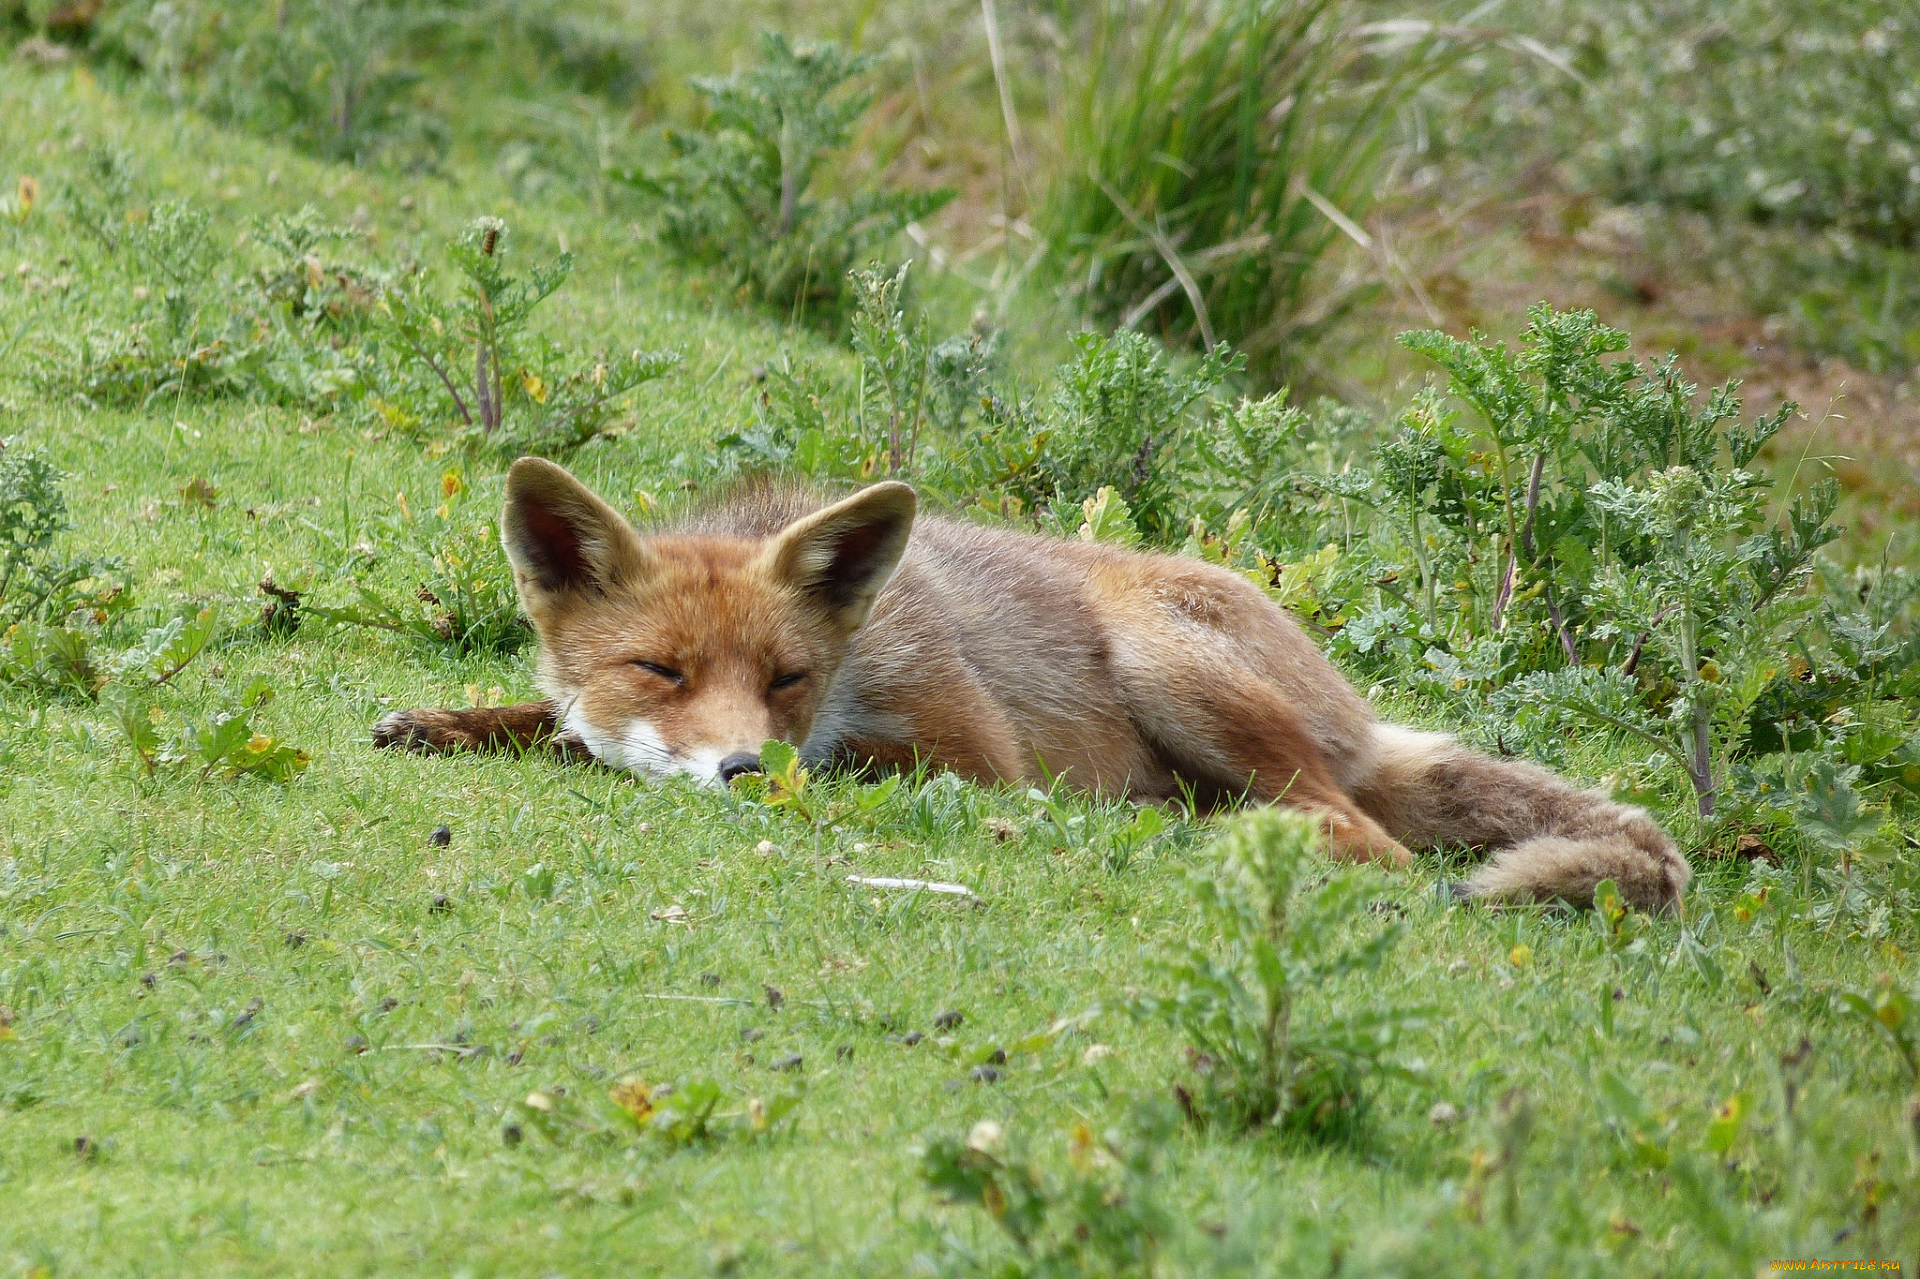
(870, 637)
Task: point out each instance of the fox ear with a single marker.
(840, 557)
(561, 539)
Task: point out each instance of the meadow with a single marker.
(279, 302)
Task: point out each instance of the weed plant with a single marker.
(439, 579)
(748, 195)
(474, 364)
(1271, 1040)
(1105, 1214)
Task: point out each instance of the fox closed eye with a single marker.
(787, 681)
(664, 672)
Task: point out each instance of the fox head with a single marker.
(683, 653)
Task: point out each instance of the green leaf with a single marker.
(1725, 1125)
(1830, 812)
(1107, 519)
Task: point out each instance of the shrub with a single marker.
(333, 77)
(1803, 115)
(336, 78)
(1122, 415)
(189, 320)
(1585, 539)
(1210, 158)
(51, 608)
(742, 195)
(1259, 1000)
(472, 364)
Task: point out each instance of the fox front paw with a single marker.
(418, 731)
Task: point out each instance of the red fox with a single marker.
(871, 638)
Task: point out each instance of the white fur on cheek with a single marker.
(637, 748)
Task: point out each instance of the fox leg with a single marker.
(528, 726)
(1238, 735)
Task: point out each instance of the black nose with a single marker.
(737, 763)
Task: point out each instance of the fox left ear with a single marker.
(842, 556)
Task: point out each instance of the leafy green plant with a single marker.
(1121, 415)
(441, 580)
(1259, 1000)
(166, 650)
(1211, 156)
(182, 336)
(333, 76)
(51, 607)
(896, 360)
(1584, 540)
(1726, 109)
(190, 321)
(1891, 1010)
(338, 80)
(743, 195)
(226, 743)
(688, 1113)
(472, 364)
(1788, 129)
(1105, 1215)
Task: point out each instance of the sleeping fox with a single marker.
(871, 638)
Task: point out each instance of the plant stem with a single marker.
(422, 355)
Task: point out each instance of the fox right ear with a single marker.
(561, 539)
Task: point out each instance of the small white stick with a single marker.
(930, 885)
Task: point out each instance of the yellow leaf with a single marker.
(394, 416)
(452, 484)
(633, 1095)
(1520, 956)
(1080, 1146)
(259, 743)
(536, 386)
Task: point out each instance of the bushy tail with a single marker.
(1545, 839)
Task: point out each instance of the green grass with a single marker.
(221, 1142)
